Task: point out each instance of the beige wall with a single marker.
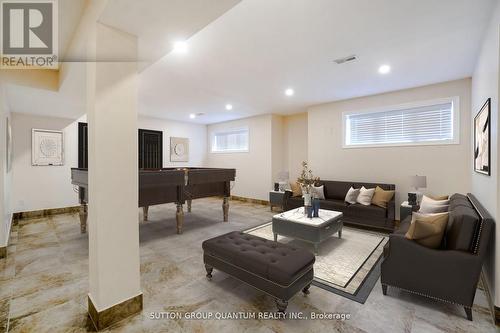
(56, 180)
(485, 84)
(447, 167)
(295, 143)
(253, 168)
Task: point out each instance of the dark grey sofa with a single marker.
(450, 273)
(355, 214)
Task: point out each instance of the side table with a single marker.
(276, 199)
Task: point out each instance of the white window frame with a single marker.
(214, 133)
(455, 116)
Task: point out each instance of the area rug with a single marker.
(348, 266)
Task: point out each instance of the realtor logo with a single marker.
(29, 34)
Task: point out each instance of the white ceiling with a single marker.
(260, 47)
(159, 23)
(249, 55)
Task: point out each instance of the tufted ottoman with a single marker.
(277, 269)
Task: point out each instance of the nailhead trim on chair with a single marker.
(478, 239)
(428, 296)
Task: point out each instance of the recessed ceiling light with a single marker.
(192, 116)
(180, 47)
(384, 69)
(229, 107)
(289, 92)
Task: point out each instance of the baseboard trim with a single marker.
(495, 310)
(45, 212)
(3, 249)
(110, 316)
(250, 200)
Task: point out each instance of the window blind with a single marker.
(230, 141)
(421, 124)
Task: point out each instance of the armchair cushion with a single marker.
(428, 230)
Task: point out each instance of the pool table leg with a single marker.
(189, 205)
(145, 210)
(83, 217)
(225, 208)
(180, 218)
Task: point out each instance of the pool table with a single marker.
(168, 185)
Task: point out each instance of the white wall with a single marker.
(447, 167)
(278, 163)
(41, 187)
(253, 168)
(485, 84)
(50, 186)
(5, 176)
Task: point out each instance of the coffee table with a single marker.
(295, 224)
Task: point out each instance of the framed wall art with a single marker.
(179, 149)
(482, 139)
(47, 147)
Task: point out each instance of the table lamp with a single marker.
(417, 182)
(283, 177)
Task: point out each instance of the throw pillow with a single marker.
(296, 189)
(381, 197)
(417, 215)
(365, 196)
(428, 231)
(352, 195)
(433, 209)
(439, 197)
(429, 206)
(429, 200)
(319, 192)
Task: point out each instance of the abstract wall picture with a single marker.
(179, 149)
(8, 148)
(47, 147)
(482, 138)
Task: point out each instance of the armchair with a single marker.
(445, 274)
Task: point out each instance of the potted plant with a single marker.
(306, 181)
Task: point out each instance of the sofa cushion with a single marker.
(331, 204)
(462, 228)
(365, 196)
(368, 212)
(382, 197)
(336, 190)
(277, 262)
(352, 195)
(296, 189)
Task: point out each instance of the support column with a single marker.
(4, 216)
(113, 226)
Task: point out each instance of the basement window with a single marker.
(425, 123)
(231, 141)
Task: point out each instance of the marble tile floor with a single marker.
(44, 283)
